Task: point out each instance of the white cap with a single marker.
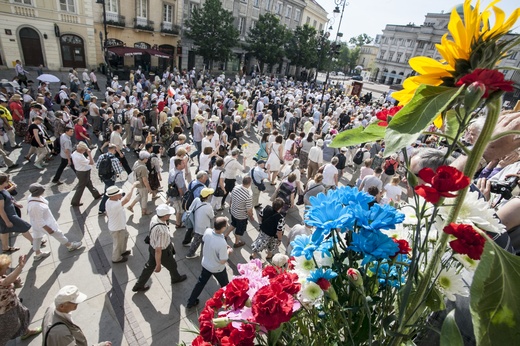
(69, 294)
(164, 209)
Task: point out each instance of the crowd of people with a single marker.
(197, 129)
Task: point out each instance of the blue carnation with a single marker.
(378, 217)
(330, 214)
(319, 273)
(374, 245)
(303, 246)
(393, 275)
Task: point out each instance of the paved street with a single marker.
(112, 311)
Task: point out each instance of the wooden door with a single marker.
(31, 47)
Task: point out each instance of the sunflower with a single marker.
(467, 33)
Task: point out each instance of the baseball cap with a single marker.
(69, 294)
(206, 192)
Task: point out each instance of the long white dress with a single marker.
(273, 161)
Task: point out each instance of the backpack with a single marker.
(260, 117)
(149, 166)
(342, 160)
(57, 98)
(173, 190)
(172, 149)
(189, 196)
(284, 192)
(188, 218)
(390, 167)
(105, 170)
(358, 158)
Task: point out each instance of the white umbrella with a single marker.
(359, 67)
(48, 78)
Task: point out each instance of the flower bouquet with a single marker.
(376, 274)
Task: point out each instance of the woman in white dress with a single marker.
(275, 159)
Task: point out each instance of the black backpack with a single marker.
(358, 158)
(149, 166)
(342, 160)
(284, 192)
(389, 167)
(172, 149)
(173, 190)
(105, 169)
(189, 196)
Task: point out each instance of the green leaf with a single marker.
(450, 333)
(412, 119)
(435, 300)
(371, 133)
(495, 302)
(452, 124)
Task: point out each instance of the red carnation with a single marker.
(270, 271)
(243, 337)
(385, 113)
(323, 283)
(493, 80)
(236, 292)
(404, 247)
(199, 341)
(439, 184)
(289, 282)
(217, 300)
(272, 306)
(469, 241)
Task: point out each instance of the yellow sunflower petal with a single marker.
(438, 121)
(425, 65)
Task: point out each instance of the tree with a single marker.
(212, 30)
(266, 41)
(302, 47)
(360, 40)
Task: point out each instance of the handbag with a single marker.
(261, 185)
(219, 192)
(138, 138)
(147, 238)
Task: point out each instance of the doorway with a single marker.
(31, 47)
(72, 51)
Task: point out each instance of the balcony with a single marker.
(143, 24)
(116, 20)
(170, 29)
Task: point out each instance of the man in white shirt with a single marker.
(43, 222)
(258, 174)
(330, 174)
(214, 257)
(83, 167)
(203, 215)
(315, 158)
(231, 169)
(372, 180)
(117, 222)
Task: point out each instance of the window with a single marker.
(167, 13)
(23, 2)
(256, 3)
(321, 27)
(67, 6)
(253, 24)
(297, 15)
(407, 57)
(112, 6)
(308, 20)
(314, 24)
(385, 40)
(513, 56)
(288, 11)
(268, 4)
(193, 6)
(420, 44)
(382, 54)
(244, 1)
(391, 55)
(142, 8)
(398, 58)
(279, 7)
(432, 45)
(241, 25)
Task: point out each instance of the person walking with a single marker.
(272, 224)
(275, 160)
(203, 214)
(43, 222)
(241, 210)
(231, 169)
(21, 73)
(83, 168)
(160, 249)
(315, 158)
(57, 325)
(359, 158)
(177, 188)
(109, 168)
(117, 222)
(143, 188)
(38, 141)
(117, 140)
(258, 174)
(215, 254)
(65, 154)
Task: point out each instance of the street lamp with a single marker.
(105, 48)
(336, 46)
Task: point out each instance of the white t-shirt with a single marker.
(232, 168)
(392, 191)
(371, 180)
(204, 161)
(116, 215)
(214, 251)
(206, 143)
(215, 177)
(288, 144)
(328, 175)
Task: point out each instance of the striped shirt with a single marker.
(159, 235)
(241, 202)
(117, 167)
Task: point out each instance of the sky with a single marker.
(371, 16)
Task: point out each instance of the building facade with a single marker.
(314, 15)
(399, 43)
(246, 13)
(60, 34)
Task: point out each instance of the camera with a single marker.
(504, 188)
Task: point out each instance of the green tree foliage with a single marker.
(302, 47)
(212, 30)
(266, 41)
(347, 59)
(360, 40)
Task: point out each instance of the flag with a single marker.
(171, 92)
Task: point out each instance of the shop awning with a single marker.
(126, 51)
(158, 53)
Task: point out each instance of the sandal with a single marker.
(239, 244)
(31, 332)
(10, 249)
(131, 209)
(43, 243)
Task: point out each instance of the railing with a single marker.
(68, 18)
(170, 28)
(24, 11)
(143, 24)
(114, 19)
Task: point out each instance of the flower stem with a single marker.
(416, 306)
